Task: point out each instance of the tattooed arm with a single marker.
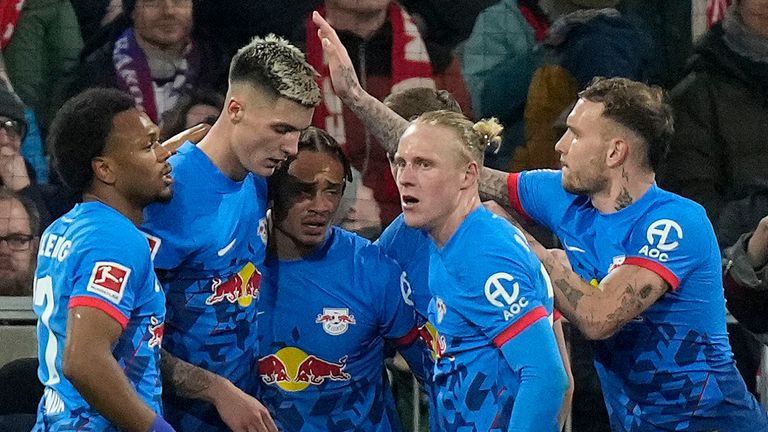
(600, 311)
(238, 410)
(493, 187)
(383, 123)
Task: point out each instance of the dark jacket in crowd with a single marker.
(719, 156)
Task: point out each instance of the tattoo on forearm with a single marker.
(183, 379)
(493, 186)
(572, 294)
(631, 304)
(623, 200)
(383, 123)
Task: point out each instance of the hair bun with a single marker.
(490, 131)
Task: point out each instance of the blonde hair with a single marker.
(274, 65)
(475, 138)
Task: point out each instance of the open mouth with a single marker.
(408, 201)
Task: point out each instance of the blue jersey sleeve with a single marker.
(672, 241)
(501, 292)
(534, 357)
(111, 275)
(539, 195)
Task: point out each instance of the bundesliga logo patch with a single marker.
(109, 280)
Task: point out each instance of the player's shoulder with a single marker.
(97, 232)
(671, 209)
(398, 236)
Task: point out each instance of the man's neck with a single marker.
(363, 25)
(624, 190)
(444, 230)
(286, 248)
(217, 146)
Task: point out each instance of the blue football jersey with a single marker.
(95, 257)
(410, 248)
(209, 244)
(671, 368)
(487, 288)
(324, 321)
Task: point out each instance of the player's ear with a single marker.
(102, 170)
(235, 110)
(470, 175)
(617, 152)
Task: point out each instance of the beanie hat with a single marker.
(12, 108)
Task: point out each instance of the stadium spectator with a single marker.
(19, 230)
(389, 54)
(195, 106)
(154, 59)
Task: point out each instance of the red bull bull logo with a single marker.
(242, 287)
(156, 329)
(335, 321)
(430, 337)
(294, 370)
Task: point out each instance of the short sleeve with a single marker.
(672, 243)
(110, 276)
(500, 297)
(539, 196)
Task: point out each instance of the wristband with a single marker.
(160, 425)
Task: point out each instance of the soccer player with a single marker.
(663, 356)
(646, 281)
(329, 299)
(210, 239)
(499, 367)
(99, 305)
(410, 248)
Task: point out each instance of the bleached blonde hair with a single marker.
(475, 138)
(273, 65)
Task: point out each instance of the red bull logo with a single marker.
(242, 287)
(430, 337)
(335, 321)
(156, 329)
(294, 370)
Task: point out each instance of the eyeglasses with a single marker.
(17, 242)
(12, 127)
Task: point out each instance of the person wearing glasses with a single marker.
(16, 173)
(19, 229)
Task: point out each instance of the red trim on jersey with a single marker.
(514, 195)
(556, 315)
(100, 305)
(655, 267)
(409, 337)
(518, 326)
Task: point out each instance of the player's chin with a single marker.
(165, 194)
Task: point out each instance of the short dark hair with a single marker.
(274, 66)
(80, 130)
(413, 102)
(641, 108)
(32, 213)
(316, 140)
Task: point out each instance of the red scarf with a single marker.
(410, 68)
(10, 10)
